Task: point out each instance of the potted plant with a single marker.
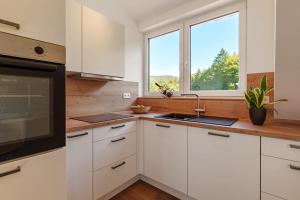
(255, 100)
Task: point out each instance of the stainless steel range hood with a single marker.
(94, 77)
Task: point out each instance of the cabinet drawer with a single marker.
(113, 176)
(265, 196)
(280, 177)
(286, 149)
(113, 149)
(113, 130)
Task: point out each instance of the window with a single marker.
(213, 55)
(164, 61)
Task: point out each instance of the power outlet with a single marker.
(126, 95)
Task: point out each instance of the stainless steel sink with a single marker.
(201, 119)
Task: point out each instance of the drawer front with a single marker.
(113, 130)
(286, 149)
(113, 176)
(265, 196)
(113, 149)
(280, 177)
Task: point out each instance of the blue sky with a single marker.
(206, 41)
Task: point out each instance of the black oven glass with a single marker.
(32, 109)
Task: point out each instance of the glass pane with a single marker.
(215, 54)
(164, 61)
(25, 105)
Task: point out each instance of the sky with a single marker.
(207, 39)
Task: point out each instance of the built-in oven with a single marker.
(32, 97)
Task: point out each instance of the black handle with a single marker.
(9, 23)
(219, 134)
(116, 127)
(293, 146)
(14, 171)
(295, 167)
(119, 165)
(120, 139)
(79, 135)
(163, 126)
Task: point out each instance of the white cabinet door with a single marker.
(165, 154)
(39, 19)
(223, 165)
(103, 44)
(79, 165)
(73, 36)
(280, 177)
(40, 177)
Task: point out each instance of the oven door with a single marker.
(32, 107)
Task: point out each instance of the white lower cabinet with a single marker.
(165, 154)
(79, 165)
(281, 178)
(113, 176)
(35, 178)
(223, 165)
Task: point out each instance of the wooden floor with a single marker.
(143, 191)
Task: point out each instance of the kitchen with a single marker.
(73, 71)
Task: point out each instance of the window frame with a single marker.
(184, 28)
(157, 33)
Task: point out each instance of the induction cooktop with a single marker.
(101, 117)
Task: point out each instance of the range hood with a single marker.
(94, 77)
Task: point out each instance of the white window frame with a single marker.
(160, 32)
(184, 31)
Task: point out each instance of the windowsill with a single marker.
(237, 98)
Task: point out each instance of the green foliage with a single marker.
(255, 96)
(222, 75)
(168, 82)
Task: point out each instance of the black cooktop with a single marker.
(101, 117)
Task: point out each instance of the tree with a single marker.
(222, 75)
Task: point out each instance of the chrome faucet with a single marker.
(198, 109)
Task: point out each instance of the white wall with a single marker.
(260, 28)
(260, 36)
(133, 38)
(287, 61)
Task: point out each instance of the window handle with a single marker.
(116, 127)
(9, 23)
(14, 171)
(79, 135)
(219, 134)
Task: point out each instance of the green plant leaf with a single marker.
(263, 83)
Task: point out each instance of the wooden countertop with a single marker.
(275, 129)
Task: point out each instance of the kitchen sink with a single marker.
(201, 119)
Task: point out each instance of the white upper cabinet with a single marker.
(95, 44)
(73, 36)
(103, 44)
(42, 20)
(165, 154)
(223, 165)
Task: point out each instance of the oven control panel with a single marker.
(17, 46)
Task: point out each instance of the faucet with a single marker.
(198, 109)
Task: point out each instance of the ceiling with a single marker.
(143, 9)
